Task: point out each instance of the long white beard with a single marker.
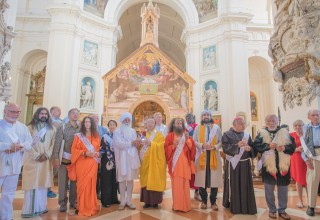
(126, 131)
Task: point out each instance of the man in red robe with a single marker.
(180, 153)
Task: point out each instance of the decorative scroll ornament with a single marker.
(295, 49)
(6, 35)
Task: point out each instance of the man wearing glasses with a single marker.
(62, 158)
(14, 139)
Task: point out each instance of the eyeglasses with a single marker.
(14, 112)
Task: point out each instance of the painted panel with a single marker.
(207, 9)
(209, 57)
(95, 7)
(90, 53)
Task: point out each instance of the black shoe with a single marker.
(116, 202)
(310, 211)
(155, 206)
(76, 212)
(106, 206)
(145, 206)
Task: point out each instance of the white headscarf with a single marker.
(206, 112)
(125, 115)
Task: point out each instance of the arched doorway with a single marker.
(144, 111)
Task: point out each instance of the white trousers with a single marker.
(8, 186)
(35, 202)
(126, 186)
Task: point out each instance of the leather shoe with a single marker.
(203, 205)
(145, 206)
(310, 211)
(63, 208)
(284, 215)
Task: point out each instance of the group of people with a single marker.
(95, 162)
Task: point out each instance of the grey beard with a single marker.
(43, 119)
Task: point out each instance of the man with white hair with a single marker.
(311, 155)
(125, 143)
(159, 125)
(14, 139)
(276, 145)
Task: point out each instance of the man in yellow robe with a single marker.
(153, 166)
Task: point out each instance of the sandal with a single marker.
(272, 215)
(284, 216)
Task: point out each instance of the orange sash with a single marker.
(202, 157)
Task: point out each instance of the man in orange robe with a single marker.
(180, 153)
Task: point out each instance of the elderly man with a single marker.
(159, 125)
(190, 126)
(102, 130)
(238, 192)
(207, 138)
(37, 173)
(153, 166)
(62, 156)
(311, 155)
(180, 152)
(125, 145)
(276, 146)
(14, 139)
(55, 113)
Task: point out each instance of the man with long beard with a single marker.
(37, 173)
(276, 145)
(180, 152)
(125, 143)
(207, 138)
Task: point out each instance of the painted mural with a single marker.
(207, 9)
(148, 75)
(210, 96)
(95, 7)
(209, 57)
(254, 108)
(90, 53)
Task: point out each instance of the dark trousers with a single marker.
(204, 195)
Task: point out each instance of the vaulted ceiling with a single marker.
(171, 26)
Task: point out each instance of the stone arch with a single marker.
(153, 99)
(185, 8)
(264, 88)
(31, 63)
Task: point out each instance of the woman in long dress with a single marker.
(85, 157)
(108, 178)
(298, 169)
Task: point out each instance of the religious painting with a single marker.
(210, 96)
(148, 74)
(209, 57)
(87, 93)
(217, 120)
(95, 7)
(90, 53)
(207, 9)
(254, 107)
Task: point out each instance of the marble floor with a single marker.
(165, 212)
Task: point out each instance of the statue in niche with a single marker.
(211, 99)
(87, 95)
(149, 25)
(5, 74)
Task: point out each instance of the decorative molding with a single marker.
(6, 36)
(294, 48)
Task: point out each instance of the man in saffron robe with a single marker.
(207, 138)
(238, 192)
(153, 166)
(180, 154)
(276, 146)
